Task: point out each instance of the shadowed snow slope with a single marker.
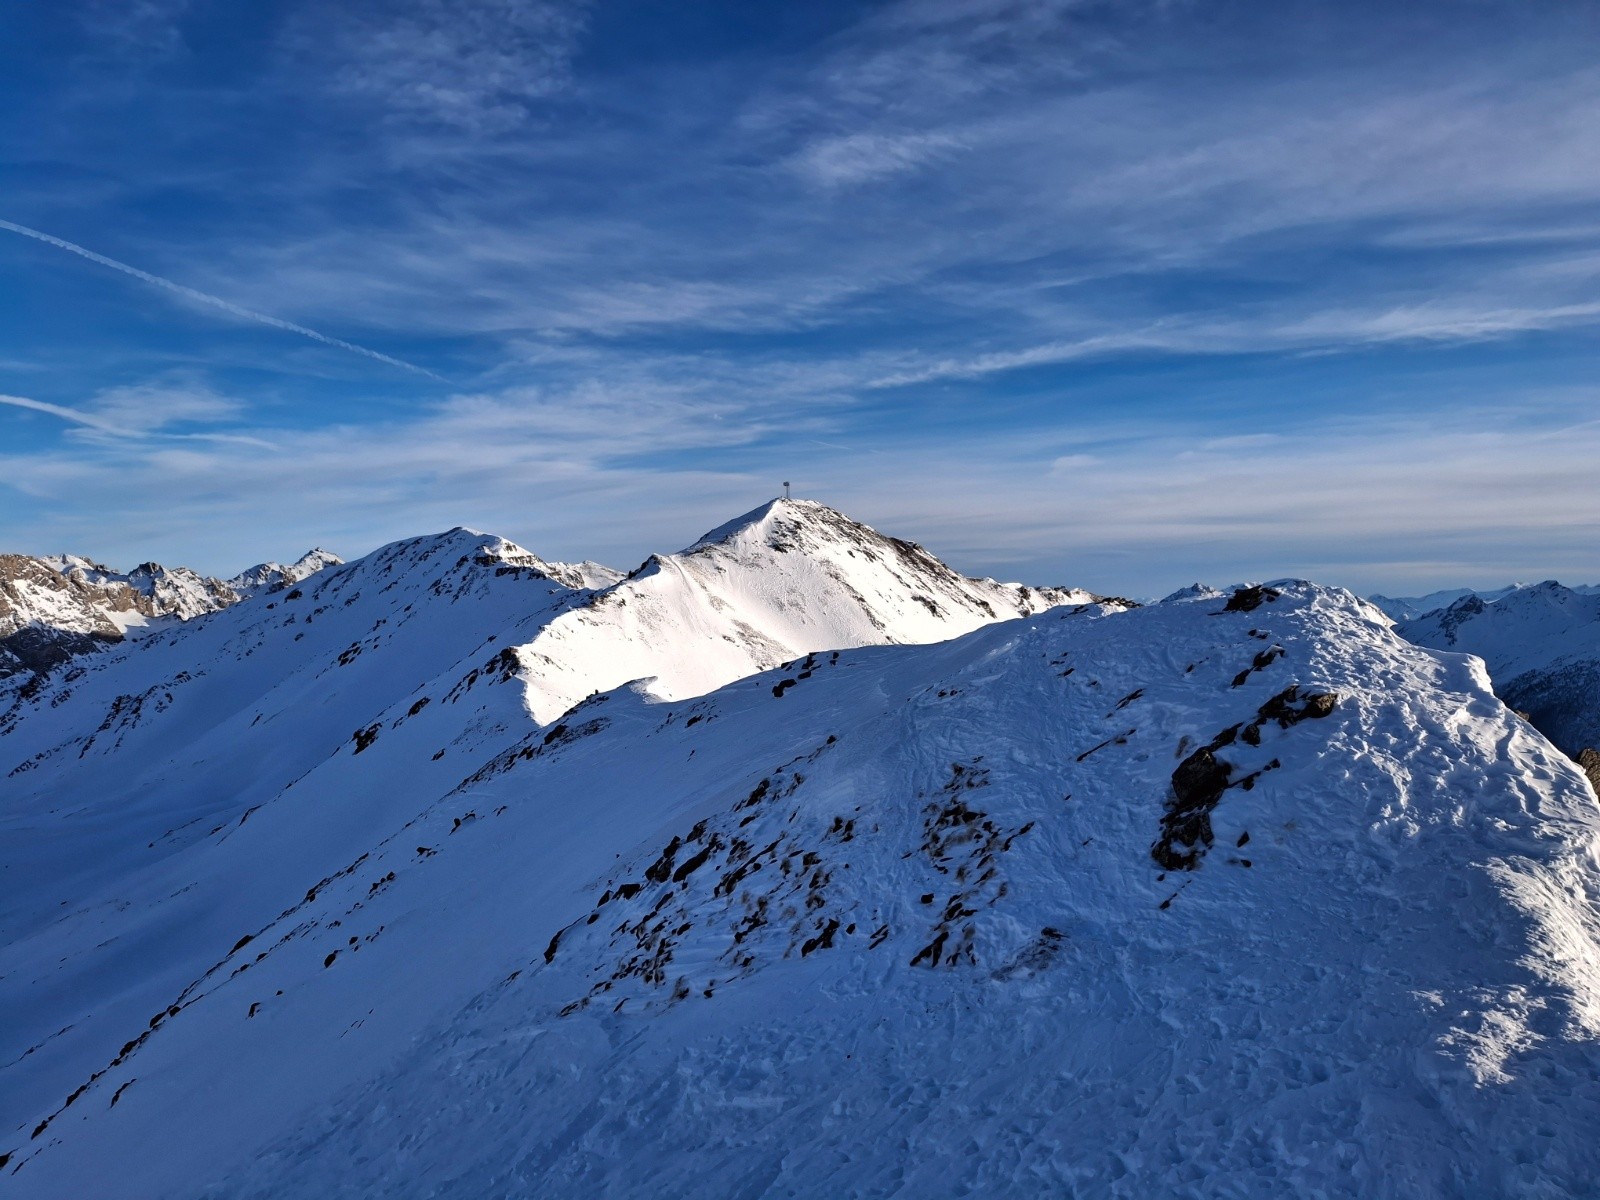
(1233, 895)
(1541, 643)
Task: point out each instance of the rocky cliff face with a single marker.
(57, 607)
(47, 616)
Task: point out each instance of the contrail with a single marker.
(89, 421)
(214, 301)
(76, 416)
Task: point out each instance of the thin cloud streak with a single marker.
(214, 301)
(73, 415)
(134, 430)
(1317, 332)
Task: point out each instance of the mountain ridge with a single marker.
(338, 702)
(890, 919)
(1541, 643)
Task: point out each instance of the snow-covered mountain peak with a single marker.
(1504, 630)
(1195, 591)
(462, 552)
(314, 560)
(754, 526)
(786, 579)
(788, 526)
(272, 576)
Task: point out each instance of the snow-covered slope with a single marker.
(132, 754)
(1244, 897)
(342, 704)
(1542, 646)
(791, 577)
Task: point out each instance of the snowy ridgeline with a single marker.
(1406, 608)
(358, 889)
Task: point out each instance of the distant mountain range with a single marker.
(1405, 608)
(59, 606)
(792, 863)
(1541, 643)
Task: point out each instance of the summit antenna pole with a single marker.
(785, 489)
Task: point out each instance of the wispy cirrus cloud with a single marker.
(73, 416)
(863, 157)
(691, 266)
(1316, 332)
(475, 66)
(134, 30)
(978, 211)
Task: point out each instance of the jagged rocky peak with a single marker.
(57, 607)
(179, 592)
(273, 576)
(61, 605)
(47, 617)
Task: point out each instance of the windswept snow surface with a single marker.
(1541, 643)
(891, 922)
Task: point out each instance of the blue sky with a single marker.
(1114, 294)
